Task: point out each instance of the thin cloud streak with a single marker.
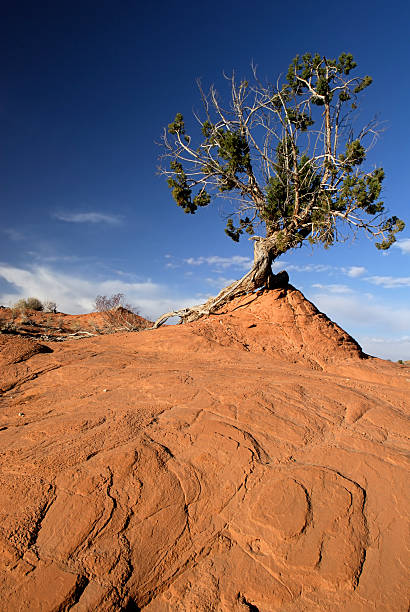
(389, 282)
(13, 234)
(89, 217)
(334, 288)
(237, 261)
(309, 268)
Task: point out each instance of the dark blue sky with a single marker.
(86, 88)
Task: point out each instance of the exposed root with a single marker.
(252, 281)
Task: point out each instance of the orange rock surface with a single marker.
(253, 460)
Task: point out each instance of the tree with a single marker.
(289, 159)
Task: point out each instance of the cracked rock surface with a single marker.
(253, 460)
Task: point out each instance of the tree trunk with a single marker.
(258, 277)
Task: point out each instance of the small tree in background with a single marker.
(31, 303)
(289, 159)
(119, 315)
(50, 306)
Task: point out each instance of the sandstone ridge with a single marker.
(252, 461)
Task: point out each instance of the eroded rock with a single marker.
(251, 461)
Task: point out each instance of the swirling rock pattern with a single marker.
(251, 461)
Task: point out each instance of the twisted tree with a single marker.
(288, 158)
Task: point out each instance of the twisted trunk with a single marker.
(259, 276)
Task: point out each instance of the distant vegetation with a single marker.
(33, 303)
(119, 315)
(31, 317)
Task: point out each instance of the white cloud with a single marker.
(237, 261)
(386, 348)
(309, 268)
(355, 271)
(89, 217)
(334, 288)
(75, 295)
(372, 323)
(389, 282)
(352, 311)
(219, 263)
(220, 282)
(403, 245)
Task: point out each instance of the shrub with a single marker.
(118, 315)
(19, 306)
(49, 306)
(104, 303)
(34, 303)
(31, 302)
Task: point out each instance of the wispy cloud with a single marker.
(13, 234)
(236, 261)
(88, 217)
(219, 282)
(334, 288)
(355, 271)
(218, 263)
(403, 245)
(386, 348)
(308, 267)
(353, 311)
(389, 282)
(75, 294)
(39, 257)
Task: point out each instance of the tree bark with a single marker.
(259, 276)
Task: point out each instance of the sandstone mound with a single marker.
(187, 469)
(283, 323)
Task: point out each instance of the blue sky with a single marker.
(86, 89)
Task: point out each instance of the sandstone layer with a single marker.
(253, 460)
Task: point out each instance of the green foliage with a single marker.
(180, 188)
(391, 226)
(321, 73)
(354, 156)
(281, 189)
(233, 232)
(362, 191)
(346, 63)
(182, 193)
(365, 82)
(233, 148)
(294, 168)
(177, 126)
(300, 120)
